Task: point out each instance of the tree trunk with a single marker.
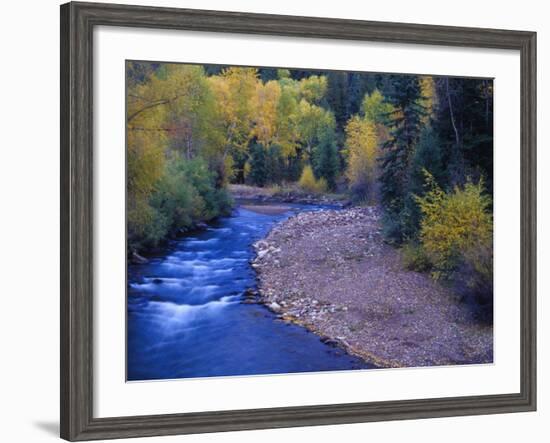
(452, 113)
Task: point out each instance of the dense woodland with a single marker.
(421, 147)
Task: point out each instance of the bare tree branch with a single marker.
(160, 102)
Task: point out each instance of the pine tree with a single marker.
(426, 158)
(336, 97)
(405, 122)
(463, 119)
(325, 157)
(258, 165)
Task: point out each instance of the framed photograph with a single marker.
(272, 221)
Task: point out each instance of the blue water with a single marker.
(186, 317)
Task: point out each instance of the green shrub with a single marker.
(475, 272)
(415, 258)
(215, 201)
(185, 194)
(141, 218)
(392, 225)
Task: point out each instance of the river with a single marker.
(186, 317)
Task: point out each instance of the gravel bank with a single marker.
(291, 194)
(266, 209)
(331, 272)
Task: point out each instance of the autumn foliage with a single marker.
(420, 147)
(457, 229)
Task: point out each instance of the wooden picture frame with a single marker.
(77, 23)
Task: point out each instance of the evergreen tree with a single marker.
(275, 165)
(258, 166)
(345, 94)
(426, 157)
(336, 97)
(359, 84)
(463, 120)
(139, 72)
(267, 74)
(325, 157)
(405, 122)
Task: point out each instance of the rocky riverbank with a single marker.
(289, 194)
(331, 272)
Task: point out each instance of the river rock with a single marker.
(261, 245)
(329, 341)
(250, 293)
(262, 253)
(274, 306)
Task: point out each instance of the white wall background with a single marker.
(29, 227)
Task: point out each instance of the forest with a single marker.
(420, 147)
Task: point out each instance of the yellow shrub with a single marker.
(309, 184)
(322, 185)
(456, 226)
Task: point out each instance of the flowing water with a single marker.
(186, 317)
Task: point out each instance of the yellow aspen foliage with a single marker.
(313, 88)
(362, 152)
(176, 101)
(374, 108)
(145, 161)
(288, 134)
(456, 225)
(147, 110)
(311, 120)
(265, 102)
(309, 183)
(234, 90)
(145, 166)
(429, 97)
(172, 119)
(172, 110)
